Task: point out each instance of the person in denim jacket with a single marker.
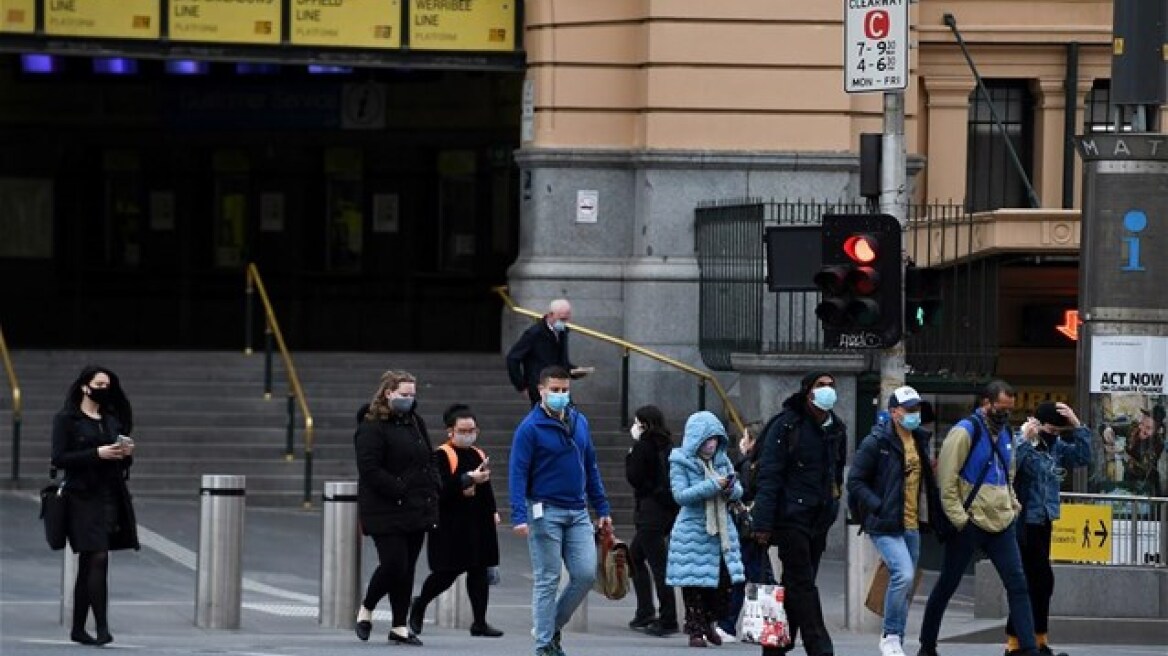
(1054, 442)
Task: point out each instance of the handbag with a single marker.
(55, 514)
(764, 620)
(740, 513)
(612, 565)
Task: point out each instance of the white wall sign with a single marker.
(527, 114)
(587, 205)
(1129, 363)
(875, 45)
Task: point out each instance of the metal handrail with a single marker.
(704, 377)
(296, 394)
(17, 405)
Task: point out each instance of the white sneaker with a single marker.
(890, 646)
(726, 637)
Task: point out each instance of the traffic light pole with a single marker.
(862, 556)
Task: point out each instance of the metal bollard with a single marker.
(340, 556)
(68, 579)
(219, 573)
(453, 606)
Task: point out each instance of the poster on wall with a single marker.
(1129, 394)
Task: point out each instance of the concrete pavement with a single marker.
(152, 599)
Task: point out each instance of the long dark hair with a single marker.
(118, 406)
(654, 421)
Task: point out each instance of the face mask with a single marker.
(823, 398)
(101, 395)
(708, 449)
(557, 401)
(559, 326)
(999, 417)
(636, 430)
(911, 421)
(463, 441)
(401, 404)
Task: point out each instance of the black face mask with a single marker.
(101, 395)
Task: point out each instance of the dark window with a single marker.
(992, 181)
(1097, 110)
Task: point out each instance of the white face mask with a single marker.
(636, 430)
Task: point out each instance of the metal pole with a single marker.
(307, 478)
(248, 318)
(68, 580)
(219, 573)
(624, 402)
(701, 394)
(289, 453)
(16, 448)
(268, 341)
(340, 556)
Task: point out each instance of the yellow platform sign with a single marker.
(124, 19)
(18, 16)
(346, 23)
(226, 21)
(1082, 533)
(462, 24)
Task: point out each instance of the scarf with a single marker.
(716, 515)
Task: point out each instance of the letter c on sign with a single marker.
(876, 24)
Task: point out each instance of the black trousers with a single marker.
(397, 557)
(800, 553)
(477, 589)
(649, 553)
(1034, 544)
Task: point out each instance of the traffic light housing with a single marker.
(860, 281)
(922, 298)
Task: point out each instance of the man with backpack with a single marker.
(800, 476)
(973, 474)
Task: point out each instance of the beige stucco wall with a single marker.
(761, 75)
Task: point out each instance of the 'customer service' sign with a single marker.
(1129, 363)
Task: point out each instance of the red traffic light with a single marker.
(862, 249)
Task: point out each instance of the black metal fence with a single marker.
(738, 315)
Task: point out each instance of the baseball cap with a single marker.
(904, 396)
(1047, 413)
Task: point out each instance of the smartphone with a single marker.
(125, 440)
(730, 480)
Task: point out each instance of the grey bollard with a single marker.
(219, 572)
(340, 556)
(453, 606)
(68, 579)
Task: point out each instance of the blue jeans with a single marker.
(900, 554)
(1002, 549)
(562, 538)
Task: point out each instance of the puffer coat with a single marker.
(694, 555)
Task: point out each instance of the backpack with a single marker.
(750, 476)
(452, 455)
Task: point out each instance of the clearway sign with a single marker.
(875, 45)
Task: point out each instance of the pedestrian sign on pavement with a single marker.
(1082, 534)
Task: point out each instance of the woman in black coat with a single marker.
(96, 463)
(397, 498)
(647, 470)
(467, 516)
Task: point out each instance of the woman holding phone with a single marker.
(91, 447)
(465, 540)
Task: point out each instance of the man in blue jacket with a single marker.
(553, 477)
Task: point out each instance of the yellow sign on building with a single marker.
(18, 16)
(125, 19)
(225, 21)
(462, 24)
(1082, 534)
(346, 23)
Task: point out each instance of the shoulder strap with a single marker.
(985, 470)
(452, 455)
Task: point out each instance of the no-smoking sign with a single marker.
(875, 45)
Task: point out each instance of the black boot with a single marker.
(417, 615)
(81, 636)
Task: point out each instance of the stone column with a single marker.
(1049, 119)
(948, 136)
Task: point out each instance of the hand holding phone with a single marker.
(730, 481)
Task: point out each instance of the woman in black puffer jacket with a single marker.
(397, 498)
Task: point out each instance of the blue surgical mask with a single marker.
(559, 326)
(557, 401)
(911, 421)
(823, 398)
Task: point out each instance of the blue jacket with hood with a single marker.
(694, 554)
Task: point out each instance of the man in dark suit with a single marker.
(544, 344)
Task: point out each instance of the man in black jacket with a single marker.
(544, 344)
(799, 480)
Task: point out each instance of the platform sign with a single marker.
(18, 16)
(346, 23)
(226, 21)
(875, 45)
(1082, 534)
(462, 24)
(125, 19)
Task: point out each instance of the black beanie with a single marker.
(809, 380)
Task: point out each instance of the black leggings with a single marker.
(1034, 543)
(476, 589)
(397, 556)
(91, 590)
